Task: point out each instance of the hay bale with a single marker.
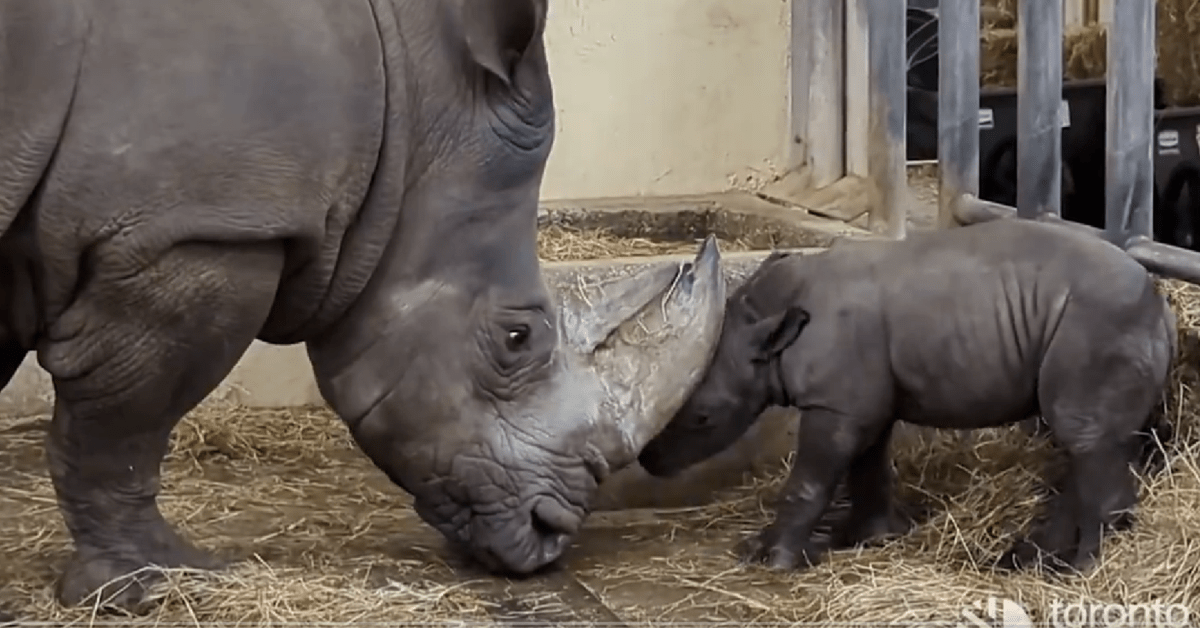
(1085, 48)
(1178, 24)
(1084, 54)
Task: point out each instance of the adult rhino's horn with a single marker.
(647, 340)
(592, 310)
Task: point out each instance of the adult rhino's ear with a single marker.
(498, 32)
(775, 333)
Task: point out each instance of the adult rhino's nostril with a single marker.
(555, 525)
(550, 519)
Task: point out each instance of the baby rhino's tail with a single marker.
(1157, 432)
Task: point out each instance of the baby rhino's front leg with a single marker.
(874, 513)
(828, 443)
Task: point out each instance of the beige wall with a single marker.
(662, 97)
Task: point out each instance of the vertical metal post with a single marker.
(817, 82)
(1039, 102)
(1128, 166)
(886, 116)
(799, 68)
(958, 105)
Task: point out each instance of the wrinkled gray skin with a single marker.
(966, 328)
(358, 175)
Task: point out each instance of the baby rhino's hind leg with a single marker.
(1096, 391)
(129, 358)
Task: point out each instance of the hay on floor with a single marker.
(557, 243)
(322, 536)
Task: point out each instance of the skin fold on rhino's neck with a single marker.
(318, 291)
(463, 204)
(445, 256)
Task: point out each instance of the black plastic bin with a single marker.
(1177, 176)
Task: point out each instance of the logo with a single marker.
(997, 613)
(1005, 613)
(1094, 615)
(987, 120)
(1168, 142)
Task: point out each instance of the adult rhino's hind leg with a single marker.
(130, 357)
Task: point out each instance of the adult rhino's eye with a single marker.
(517, 338)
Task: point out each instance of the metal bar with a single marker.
(1166, 260)
(1128, 165)
(818, 91)
(1073, 13)
(958, 105)
(886, 116)
(1158, 258)
(1039, 101)
(800, 67)
(858, 90)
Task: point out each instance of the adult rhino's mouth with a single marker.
(518, 540)
(514, 511)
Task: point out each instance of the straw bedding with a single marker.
(558, 243)
(1085, 53)
(324, 537)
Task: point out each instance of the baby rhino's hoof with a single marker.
(778, 550)
(104, 582)
(864, 531)
(112, 582)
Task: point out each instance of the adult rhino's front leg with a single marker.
(131, 356)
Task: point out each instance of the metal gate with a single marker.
(1129, 84)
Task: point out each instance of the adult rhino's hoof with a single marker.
(114, 582)
(778, 550)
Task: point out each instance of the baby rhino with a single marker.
(965, 328)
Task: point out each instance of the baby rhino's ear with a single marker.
(773, 334)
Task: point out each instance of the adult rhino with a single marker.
(179, 178)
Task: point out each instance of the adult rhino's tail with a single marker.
(41, 48)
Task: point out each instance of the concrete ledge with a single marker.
(733, 215)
